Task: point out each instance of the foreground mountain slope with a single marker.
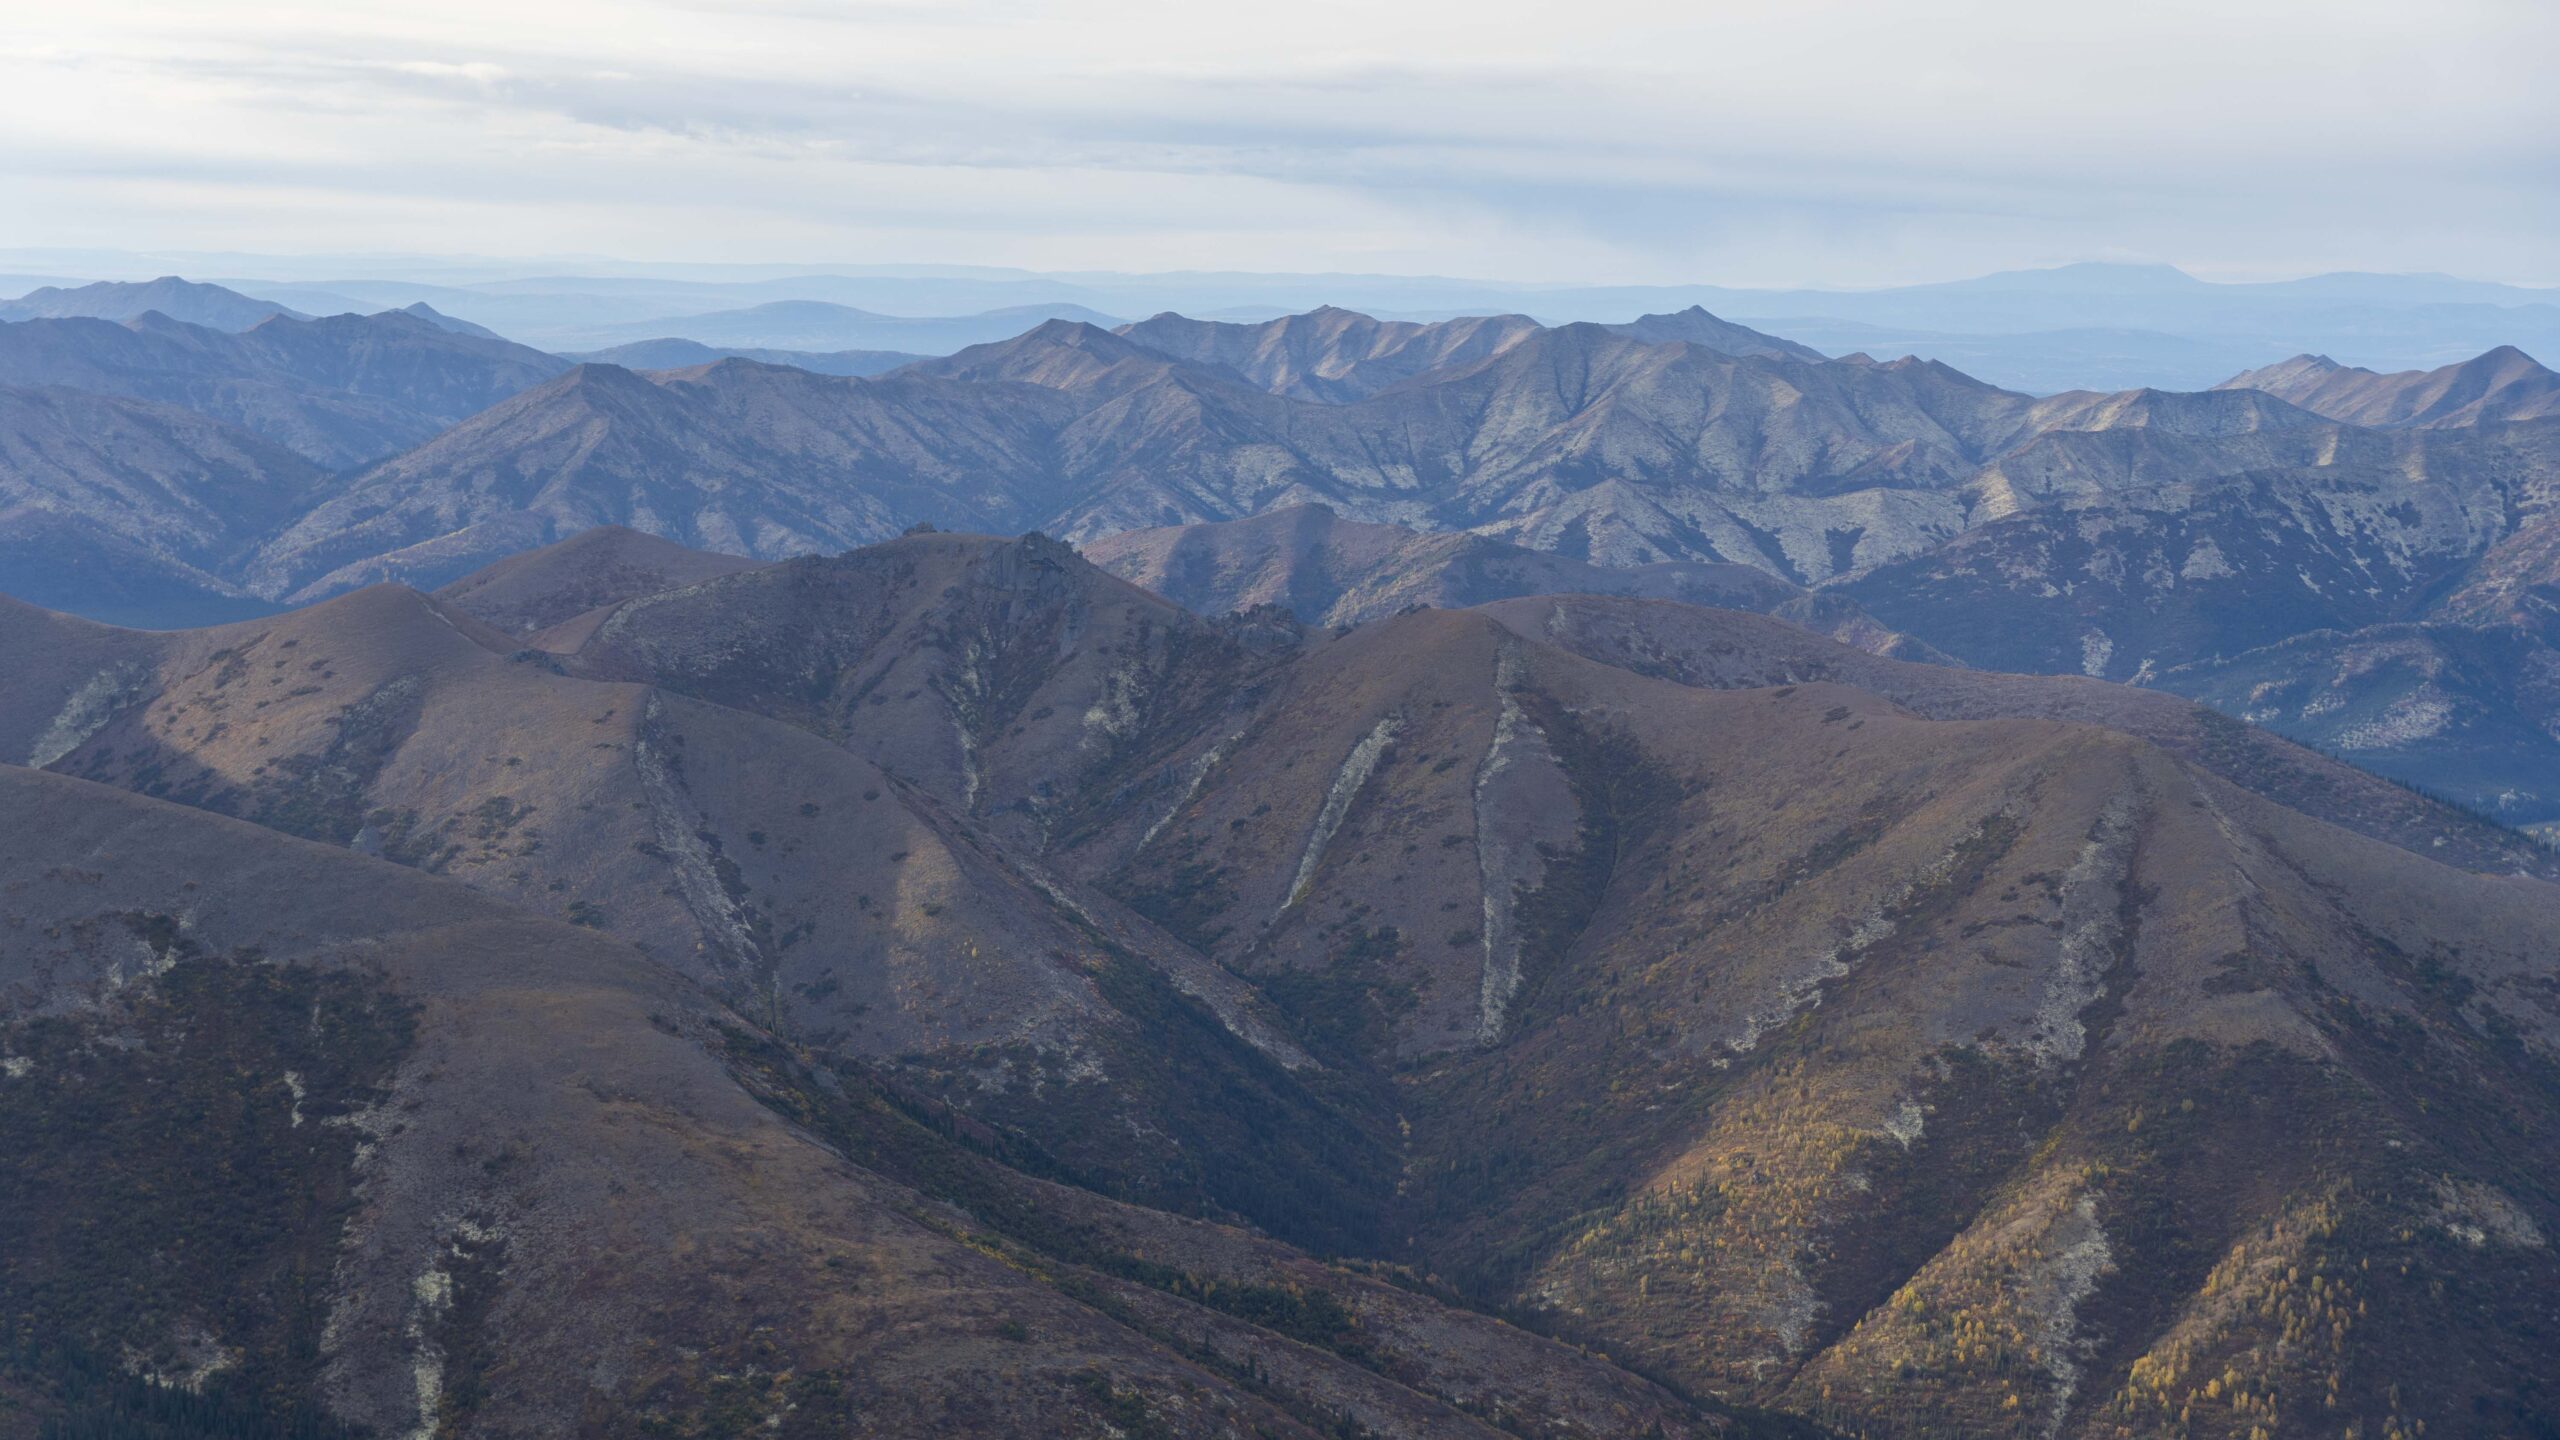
(1915, 1075)
(2501, 384)
(1898, 1070)
(784, 874)
(427, 1111)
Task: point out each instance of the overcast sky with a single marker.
(1729, 141)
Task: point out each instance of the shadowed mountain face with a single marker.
(1904, 1049)
(339, 391)
(2504, 384)
(135, 510)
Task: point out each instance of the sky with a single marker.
(1739, 142)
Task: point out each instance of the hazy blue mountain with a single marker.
(211, 306)
(820, 325)
(674, 354)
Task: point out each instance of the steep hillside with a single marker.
(1925, 1077)
(2467, 712)
(121, 509)
(418, 1116)
(800, 883)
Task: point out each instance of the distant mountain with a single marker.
(131, 511)
(1335, 356)
(817, 325)
(685, 354)
(1328, 355)
(339, 391)
(2128, 584)
(184, 301)
(442, 321)
(1326, 570)
(2503, 384)
(1575, 441)
(1694, 326)
(736, 457)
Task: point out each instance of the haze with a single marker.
(1740, 143)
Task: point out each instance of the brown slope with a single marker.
(1638, 979)
(2500, 384)
(789, 876)
(516, 1187)
(588, 571)
(1011, 680)
(1910, 1073)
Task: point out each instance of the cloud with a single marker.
(1732, 140)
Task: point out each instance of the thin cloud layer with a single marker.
(1738, 141)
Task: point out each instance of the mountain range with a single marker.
(945, 988)
(2162, 537)
(2100, 326)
